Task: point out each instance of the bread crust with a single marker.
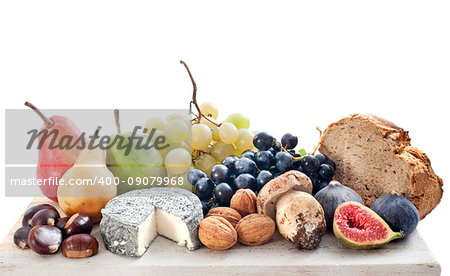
(425, 185)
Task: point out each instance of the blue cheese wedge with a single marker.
(133, 220)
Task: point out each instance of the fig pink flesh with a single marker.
(359, 225)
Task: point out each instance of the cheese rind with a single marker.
(132, 220)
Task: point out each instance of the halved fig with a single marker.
(358, 227)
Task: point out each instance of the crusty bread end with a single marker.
(374, 156)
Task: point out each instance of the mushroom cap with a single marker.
(271, 192)
(300, 219)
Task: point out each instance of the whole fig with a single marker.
(333, 195)
(397, 211)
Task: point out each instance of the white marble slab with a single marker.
(279, 257)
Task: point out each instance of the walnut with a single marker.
(217, 233)
(227, 213)
(244, 201)
(255, 229)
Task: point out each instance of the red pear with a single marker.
(54, 162)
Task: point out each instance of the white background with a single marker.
(289, 66)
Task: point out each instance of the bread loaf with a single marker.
(374, 156)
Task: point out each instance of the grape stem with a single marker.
(318, 143)
(194, 99)
(210, 202)
(282, 148)
(196, 154)
(312, 152)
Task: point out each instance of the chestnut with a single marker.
(21, 236)
(44, 217)
(44, 239)
(79, 246)
(79, 223)
(61, 222)
(26, 221)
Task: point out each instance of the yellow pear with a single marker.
(87, 186)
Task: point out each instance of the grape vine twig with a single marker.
(312, 152)
(194, 98)
(318, 143)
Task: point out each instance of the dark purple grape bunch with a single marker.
(214, 191)
(279, 158)
(225, 179)
(319, 168)
(254, 168)
(274, 156)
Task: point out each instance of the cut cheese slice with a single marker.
(133, 220)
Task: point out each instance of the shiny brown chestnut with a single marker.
(21, 236)
(61, 223)
(79, 223)
(44, 239)
(79, 246)
(26, 221)
(45, 217)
